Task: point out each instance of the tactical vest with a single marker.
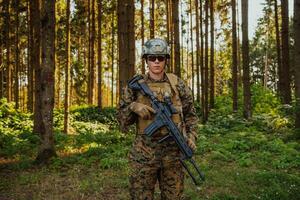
(160, 90)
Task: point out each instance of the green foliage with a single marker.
(16, 137)
(279, 186)
(265, 140)
(264, 100)
(258, 155)
(58, 119)
(94, 138)
(87, 113)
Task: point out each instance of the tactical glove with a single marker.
(141, 110)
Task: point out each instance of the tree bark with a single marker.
(143, 31)
(112, 56)
(286, 82)
(181, 38)
(1, 72)
(152, 7)
(212, 68)
(126, 42)
(192, 49)
(36, 46)
(278, 49)
(234, 59)
(7, 46)
(175, 15)
(297, 60)
(201, 61)
(89, 53)
(17, 55)
(92, 55)
(197, 51)
(171, 36)
(245, 54)
(1, 60)
(30, 56)
(89, 88)
(267, 48)
(239, 65)
(99, 54)
(205, 117)
(58, 83)
(46, 149)
(67, 71)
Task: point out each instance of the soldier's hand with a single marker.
(142, 110)
(191, 143)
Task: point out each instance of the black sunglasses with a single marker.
(153, 58)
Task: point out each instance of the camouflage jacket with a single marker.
(126, 117)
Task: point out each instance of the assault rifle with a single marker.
(163, 119)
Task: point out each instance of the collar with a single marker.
(148, 78)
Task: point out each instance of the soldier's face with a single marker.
(156, 64)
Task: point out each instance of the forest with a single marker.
(63, 67)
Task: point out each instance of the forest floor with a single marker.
(256, 159)
(86, 176)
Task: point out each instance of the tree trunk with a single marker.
(143, 32)
(57, 87)
(267, 48)
(17, 58)
(201, 62)
(117, 76)
(192, 49)
(36, 45)
(93, 37)
(205, 118)
(1, 61)
(152, 7)
(67, 71)
(86, 65)
(91, 53)
(171, 36)
(99, 54)
(30, 56)
(297, 60)
(286, 82)
(46, 149)
(175, 15)
(239, 78)
(278, 45)
(212, 68)
(197, 50)
(181, 38)
(7, 46)
(168, 21)
(169, 33)
(126, 42)
(1, 72)
(245, 54)
(234, 58)
(112, 56)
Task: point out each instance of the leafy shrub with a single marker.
(16, 135)
(58, 119)
(92, 113)
(264, 100)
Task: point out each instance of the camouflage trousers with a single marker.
(150, 162)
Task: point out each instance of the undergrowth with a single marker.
(242, 159)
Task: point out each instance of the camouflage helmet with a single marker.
(156, 46)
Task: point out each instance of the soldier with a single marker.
(149, 160)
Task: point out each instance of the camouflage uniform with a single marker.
(149, 160)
